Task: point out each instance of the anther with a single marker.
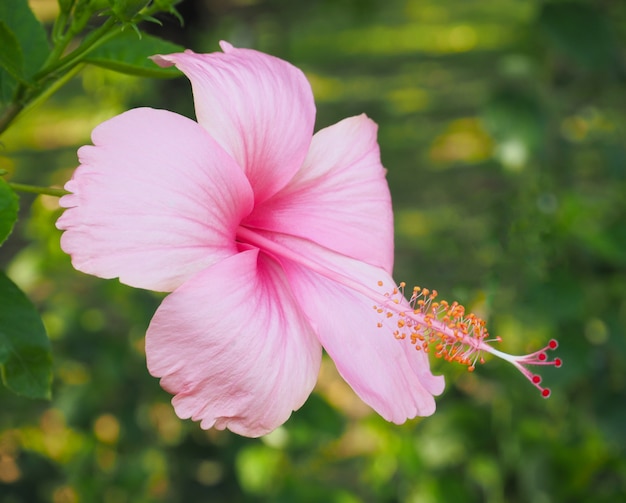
(454, 334)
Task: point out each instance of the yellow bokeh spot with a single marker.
(408, 100)
(596, 331)
(166, 423)
(52, 438)
(574, 128)
(65, 494)
(93, 320)
(55, 324)
(107, 429)
(7, 164)
(106, 458)
(155, 463)
(9, 471)
(412, 223)
(258, 467)
(460, 38)
(45, 10)
(325, 88)
(423, 12)
(73, 373)
(209, 473)
(9, 451)
(463, 141)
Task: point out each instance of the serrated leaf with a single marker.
(25, 358)
(129, 54)
(11, 58)
(8, 210)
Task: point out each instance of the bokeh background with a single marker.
(503, 127)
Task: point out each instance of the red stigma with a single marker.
(454, 334)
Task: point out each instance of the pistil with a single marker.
(455, 335)
(430, 325)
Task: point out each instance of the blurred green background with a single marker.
(503, 127)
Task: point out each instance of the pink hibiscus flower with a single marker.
(274, 244)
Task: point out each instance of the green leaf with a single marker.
(8, 210)
(7, 86)
(25, 358)
(31, 40)
(29, 32)
(11, 58)
(129, 54)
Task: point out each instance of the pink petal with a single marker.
(339, 198)
(234, 347)
(153, 202)
(258, 107)
(388, 374)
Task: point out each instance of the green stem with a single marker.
(58, 69)
(61, 37)
(57, 73)
(37, 98)
(14, 108)
(33, 189)
(9, 115)
(93, 40)
(34, 99)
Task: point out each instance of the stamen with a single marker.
(454, 334)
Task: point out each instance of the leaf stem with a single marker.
(9, 115)
(91, 41)
(34, 189)
(59, 67)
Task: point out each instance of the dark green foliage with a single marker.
(8, 210)
(25, 360)
(128, 54)
(24, 46)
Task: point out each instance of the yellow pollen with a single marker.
(451, 332)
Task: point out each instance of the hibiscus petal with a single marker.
(388, 374)
(258, 107)
(339, 198)
(153, 202)
(234, 347)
